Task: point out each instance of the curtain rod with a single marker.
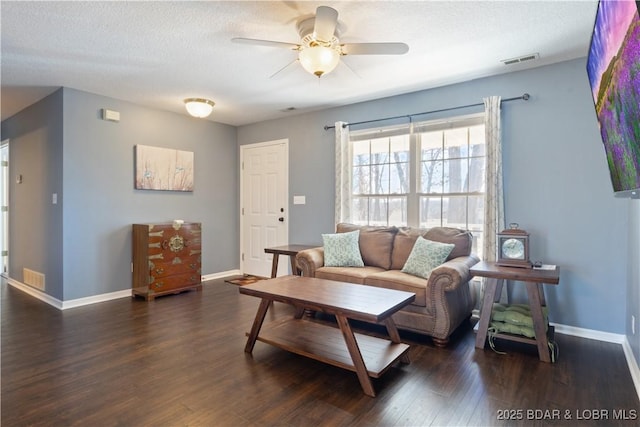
(524, 97)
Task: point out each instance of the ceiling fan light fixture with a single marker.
(319, 60)
(199, 107)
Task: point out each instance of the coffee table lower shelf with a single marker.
(326, 344)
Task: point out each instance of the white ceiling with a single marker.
(158, 53)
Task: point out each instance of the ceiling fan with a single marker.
(319, 50)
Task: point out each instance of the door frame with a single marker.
(4, 216)
(243, 150)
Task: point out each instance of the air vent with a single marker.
(33, 278)
(524, 58)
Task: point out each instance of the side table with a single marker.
(534, 280)
(292, 251)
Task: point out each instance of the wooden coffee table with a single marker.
(367, 356)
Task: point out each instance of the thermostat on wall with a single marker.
(111, 115)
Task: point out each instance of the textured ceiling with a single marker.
(158, 53)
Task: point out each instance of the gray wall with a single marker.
(556, 180)
(97, 203)
(35, 152)
(633, 283)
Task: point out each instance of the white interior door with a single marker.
(264, 196)
(4, 208)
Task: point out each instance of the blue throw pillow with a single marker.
(342, 249)
(425, 256)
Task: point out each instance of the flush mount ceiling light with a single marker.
(199, 107)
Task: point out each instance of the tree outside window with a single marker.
(444, 160)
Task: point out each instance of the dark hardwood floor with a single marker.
(179, 361)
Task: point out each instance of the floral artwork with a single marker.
(613, 67)
(163, 169)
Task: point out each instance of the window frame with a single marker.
(413, 198)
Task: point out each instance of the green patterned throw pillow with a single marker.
(425, 256)
(342, 249)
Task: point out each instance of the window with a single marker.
(380, 178)
(425, 175)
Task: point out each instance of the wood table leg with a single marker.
(498, 292)
(485, 311)
(294, 266)
(541, 293)
(299, 312)
(392, 330)
(356, 356)
(539, 326)
(257, 324)
(274, 265)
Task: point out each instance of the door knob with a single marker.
(281, 219)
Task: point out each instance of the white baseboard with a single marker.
(79, 302)
(589, 333)
(221, 275)
(35, 293)
(63, 305)
(633, 366)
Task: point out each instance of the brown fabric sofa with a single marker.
(443, 301)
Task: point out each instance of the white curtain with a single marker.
(494, 197)
(343, 173)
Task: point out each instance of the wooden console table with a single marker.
(367, 356)
(291, 251)
(534, 280)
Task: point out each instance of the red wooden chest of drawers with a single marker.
(166, 258)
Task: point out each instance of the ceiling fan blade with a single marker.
(283, 68)
(343, 62)
(375, 48)
(325, 24)
(268, 43)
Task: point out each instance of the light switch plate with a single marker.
(299, 200)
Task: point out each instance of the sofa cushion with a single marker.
(403, 244)
(425, 256)
(346, 274)
(394, 279)
(342, 250)
(376, 243)
(406, 237)
(463, 239)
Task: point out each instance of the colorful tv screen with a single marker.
(613, 67)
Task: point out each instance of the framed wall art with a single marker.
(163, 169)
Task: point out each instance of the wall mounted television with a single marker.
(613, 68)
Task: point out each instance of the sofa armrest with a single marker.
(449, 298)
(310, 259)
(453, 273)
